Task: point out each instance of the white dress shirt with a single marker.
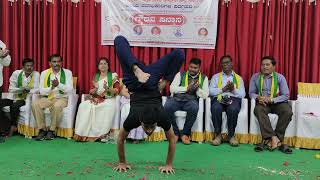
(176, 88)
(13, 86)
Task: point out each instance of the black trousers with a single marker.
(5, 122)
(232, 111)
(167, 66)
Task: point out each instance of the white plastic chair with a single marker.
(241, 131)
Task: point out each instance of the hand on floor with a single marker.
(166, 169)
(122, 167)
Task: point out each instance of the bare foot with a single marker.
(275, 142)
(142, 76)
(135, 142)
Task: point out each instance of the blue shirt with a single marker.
(215, 91)
(266, 89)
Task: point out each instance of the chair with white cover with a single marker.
(197, 128)
(308, 116)
(241, 131)
(255, 134)
(66, 126)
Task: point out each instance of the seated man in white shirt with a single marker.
(22, 83)
(226, 89)
(186, 88)
(55, 86)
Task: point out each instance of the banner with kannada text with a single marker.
(161, 23)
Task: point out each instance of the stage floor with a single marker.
(22, 158)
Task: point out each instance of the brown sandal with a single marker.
(217, 140)
(285, 149)
(259, 147)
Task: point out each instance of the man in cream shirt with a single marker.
(5, 60)
(55, 86)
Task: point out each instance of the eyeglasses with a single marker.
(226, 63)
